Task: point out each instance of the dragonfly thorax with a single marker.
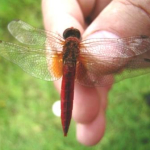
(71, 49)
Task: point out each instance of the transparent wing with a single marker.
(100, 59)
(122, 47)
(41, 63)
(29, 35)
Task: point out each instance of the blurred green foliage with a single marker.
(26, 118)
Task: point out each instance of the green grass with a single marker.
(26, 118)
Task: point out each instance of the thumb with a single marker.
(123, 18)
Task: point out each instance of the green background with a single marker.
(26, 118)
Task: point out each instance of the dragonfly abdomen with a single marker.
(67, 94)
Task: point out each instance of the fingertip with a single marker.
(59, 15)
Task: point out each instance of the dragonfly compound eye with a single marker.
(71, 32)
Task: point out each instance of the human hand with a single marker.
(99, 19)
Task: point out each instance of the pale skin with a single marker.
(117, 18)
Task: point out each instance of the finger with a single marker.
(91, 133)
(61, 14)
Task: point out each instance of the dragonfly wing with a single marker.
(125, 58)
(100, 73)
(122, 47)
(40, 63)
(92, 72)
(27, 34)
(135, 67)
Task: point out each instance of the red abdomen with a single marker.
(67, 94)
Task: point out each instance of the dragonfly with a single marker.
(89, 62)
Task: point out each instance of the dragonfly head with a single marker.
(71, 32)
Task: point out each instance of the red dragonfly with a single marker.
(91, 62)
